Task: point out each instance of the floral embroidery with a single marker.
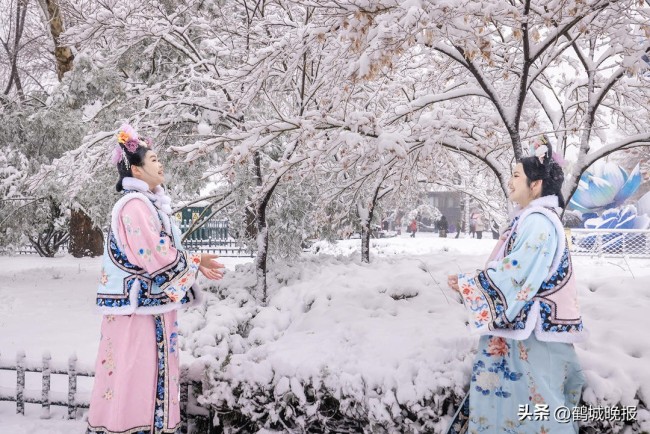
(145, 253)
(488, 380)
(162, 247)
(162, 396)
(509, 264)
(173, 341)
(110, 318)
(122, 274)
(129, 228)
(535, 397)
(542, 238)
(476, 302)
(480, 422)
(108, 395)
(523, 351)
(522, 294)
(109, 362)
(177, 383)
(104, 279)
(483, 316)
(497, 347)
(495, 304)
(467, 290)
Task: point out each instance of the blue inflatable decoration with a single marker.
(616, 218)
(619, 218)
(605, 185)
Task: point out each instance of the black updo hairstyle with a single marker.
(548, 171)
(135, 158)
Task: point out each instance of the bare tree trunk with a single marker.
(250, 224)
(261, 227)
(262, 250)
(63, 54)
(365, 215)
(51, 239)
(13, 51)
(85, 238)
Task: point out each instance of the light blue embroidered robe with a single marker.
(517, 385)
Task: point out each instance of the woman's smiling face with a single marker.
(151, 171)
(518, 189)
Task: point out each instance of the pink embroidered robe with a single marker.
(136, 387)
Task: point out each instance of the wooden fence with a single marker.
(46, 371)
(73, 372)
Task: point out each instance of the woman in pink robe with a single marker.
(136, 387)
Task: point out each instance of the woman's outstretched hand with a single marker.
(210, 268)
(452, 281)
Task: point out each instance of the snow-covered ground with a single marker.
(390, 324)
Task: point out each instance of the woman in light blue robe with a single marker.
(526, 377)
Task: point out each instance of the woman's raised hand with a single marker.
(211, 268)
(452, 281)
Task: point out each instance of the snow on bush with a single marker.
(346, 347)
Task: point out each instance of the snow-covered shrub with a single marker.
(343, 346)
(328, 353)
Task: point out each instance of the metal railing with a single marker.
(210, 230)
(229, 248)
(634, 243)
(212, 237)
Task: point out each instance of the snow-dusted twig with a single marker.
(425, 268)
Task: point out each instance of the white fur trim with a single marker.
(129, 183)
(133, 308)
(564, 337)
(550, 201)
(124, 310)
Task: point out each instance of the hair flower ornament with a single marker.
(126, 133)
(540, 152)
(132, 145)
(128, 142)
(540, 149)
(117, 155)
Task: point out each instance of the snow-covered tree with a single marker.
(514, 70)
(253, 82)
(274, 91)
(25, 62)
